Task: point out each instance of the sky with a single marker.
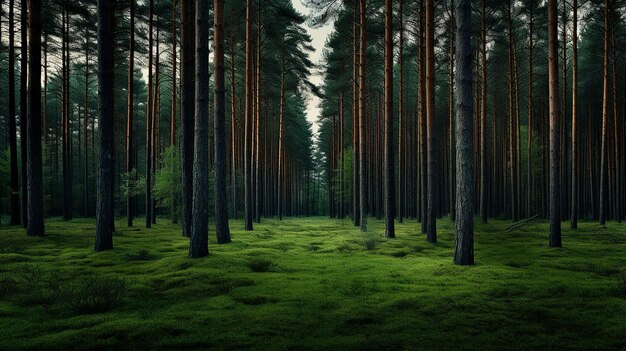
(319, 36)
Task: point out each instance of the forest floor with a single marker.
(311, 284)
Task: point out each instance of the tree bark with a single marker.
(15, 188)
(422, 119)
(574, 203)
(149, 118)
(34, 169)
(248, 121)
(603, 148)
(129, 116)
(390, 179)
(553, 73)
(483, 119)
(187, 109)
(464, 223)
(199, 238)
(362, 117)
(433, 145)
(24, 108)
(106, 140)
(221, 199)
(356, 210)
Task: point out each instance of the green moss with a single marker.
(325, 290)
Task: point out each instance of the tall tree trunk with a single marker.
(451, 154)
(464, 224)
(401, 141)
(390, 179)
(221, 199)
(67, 132)
(174, 206)
(149, 118)
(603, 149)
(422, 118)
(356, 210)
(530, 180)
(34, 169)
(512, 119)
(617, 190)
(553, 73)
(199, 238)
(129, 117)
(156, 121)
(362, 117)
(575, 184)
(248, 120)
(433, 145)
(187, 108)
(483, 119)
(257, 133)
(15, 188)
(233, 119)
(85, 130)
(281, 131)
(23, 106)
(106, 139)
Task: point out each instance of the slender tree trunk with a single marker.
(248, 120)
(356, 210)
(530, 180)
(464, 224)
(221, 199)
(390, 179)
(23, 107)
(156, 121)
(451, 155)
(257, 168)
(106, 138)
(85, 130)
(149, 118)
(483, 119)
(553, 73)
(362, 117)
(401, 141)
(233, 118)
(129, 117)
(422, 118)
(34, 169)
(575, 184)
(187, 109)
(174, 207)
(512, 119)
(603, 149)
(281, 131)
(617, 190)
(15, 188)
(199, 238)
(433, 145)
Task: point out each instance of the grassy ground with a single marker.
(311, 284)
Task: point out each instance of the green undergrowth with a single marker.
(313, 284)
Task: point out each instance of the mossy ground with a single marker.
(309, 283)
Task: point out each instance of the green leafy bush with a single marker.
(370, 240)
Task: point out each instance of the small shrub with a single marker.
(399, 254)
(370, 240)
(260, 265)
(96, 294)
